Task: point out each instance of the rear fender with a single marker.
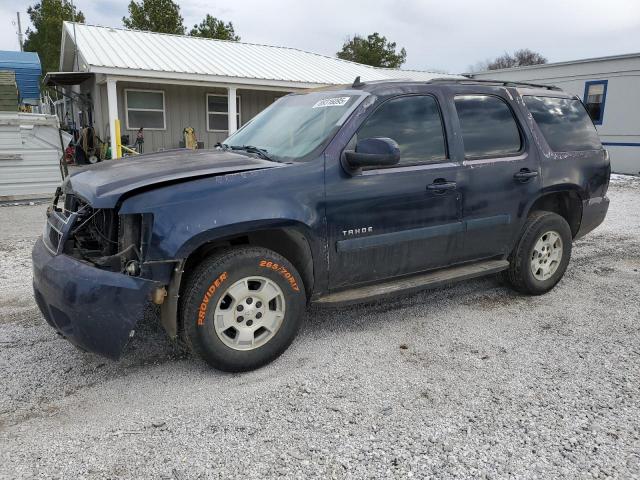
(546, 192)
(555, 189)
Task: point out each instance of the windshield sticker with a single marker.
(331, 102)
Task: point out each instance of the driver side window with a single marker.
(415, 123)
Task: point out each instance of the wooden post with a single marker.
(231, 109)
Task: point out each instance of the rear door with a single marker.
(500, 172)
(394, 221)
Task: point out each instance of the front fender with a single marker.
(242, 228)
(187, 215)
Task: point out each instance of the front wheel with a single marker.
(542, 254)
(242, 308)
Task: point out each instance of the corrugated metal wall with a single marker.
(185, 106)
(29, 155)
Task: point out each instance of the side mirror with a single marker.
(373, 152)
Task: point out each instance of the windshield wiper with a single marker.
(261, 152)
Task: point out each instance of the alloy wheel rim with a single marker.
(546, 255)
(249, 313)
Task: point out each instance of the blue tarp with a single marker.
(28, 71)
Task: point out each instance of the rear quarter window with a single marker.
(564, 122)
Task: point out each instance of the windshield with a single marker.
(296, 125)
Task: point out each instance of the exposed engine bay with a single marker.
(100, 236)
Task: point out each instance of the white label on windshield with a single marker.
(331, 102)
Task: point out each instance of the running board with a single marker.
(414, 283)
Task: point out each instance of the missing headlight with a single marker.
(133, 237)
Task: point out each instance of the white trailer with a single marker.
(30, 151)
(609, 87)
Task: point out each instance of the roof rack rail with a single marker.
(504, 83)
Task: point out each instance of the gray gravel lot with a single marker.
(468, 381)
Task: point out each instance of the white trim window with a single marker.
(145, 108)
(218, 112)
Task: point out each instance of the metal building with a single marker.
(165, 83)
(26, 66)
(610, 89)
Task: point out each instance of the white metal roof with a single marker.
(131, 52)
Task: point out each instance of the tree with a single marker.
(162, 16)
(44, 39)
(373, 50)
(211, 27)
(520, 58)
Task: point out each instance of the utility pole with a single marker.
(75, 41)
(19, 32)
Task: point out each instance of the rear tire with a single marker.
(542, 254)
(242, 308)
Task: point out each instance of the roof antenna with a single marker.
(357, 83)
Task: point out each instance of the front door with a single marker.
(400, 220)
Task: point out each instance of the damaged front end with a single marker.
(86, 274)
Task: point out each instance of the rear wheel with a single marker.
(542, 254)
(242, 308)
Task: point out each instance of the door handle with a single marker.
(525, 174)
(441, 186)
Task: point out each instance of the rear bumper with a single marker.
(594, 211)
(95, 309)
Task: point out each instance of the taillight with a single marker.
(607, 162)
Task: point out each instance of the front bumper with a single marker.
(97, 310)
(593, 212)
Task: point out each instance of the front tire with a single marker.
(542, 254)
(242, 308)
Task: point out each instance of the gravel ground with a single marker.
(468, 381)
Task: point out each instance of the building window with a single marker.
(218, 112)
(595, 95)
(145, 108)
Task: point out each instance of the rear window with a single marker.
(564, 122)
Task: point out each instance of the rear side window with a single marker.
(564, 122)
(488, 127)
(414, 122)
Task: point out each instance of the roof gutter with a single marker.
(197, 79)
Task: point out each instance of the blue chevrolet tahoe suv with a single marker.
(331, 196)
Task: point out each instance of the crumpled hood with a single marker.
(104, 183)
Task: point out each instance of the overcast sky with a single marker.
(448, 35)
